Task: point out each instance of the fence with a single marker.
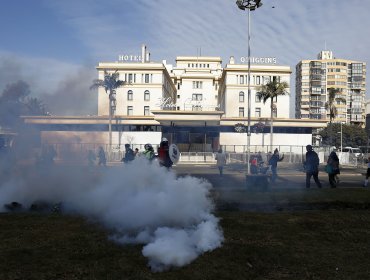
(235, 153)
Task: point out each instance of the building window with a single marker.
(258, 112)
(147, 78)
(197, 84)
(130, 110)
(241, 79)
(241, 96)
(258, 98)
(146, 110)
(258, 80)
(130, 78)
(146, 95)
(130, 95)
(241, 111)
(197, 97)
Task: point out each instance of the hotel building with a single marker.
(315, 77)
(195, 104)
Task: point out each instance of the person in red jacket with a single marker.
(163, 154)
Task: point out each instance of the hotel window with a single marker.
(147, 78)
(197, 84)
(197, 97)
(130, 110)
(258, 112)
(241, 79)
(146, 95)
(146, 110)
(241, 96)
(130, 95)
(258, 98)
(241, 111)
(258, 80)
(130, 78)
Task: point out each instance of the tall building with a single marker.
(315, 77)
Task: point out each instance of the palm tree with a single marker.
(271, 91)
(110, 84)
(330, 106)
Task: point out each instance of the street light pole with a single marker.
(250, 5)
(341, 137)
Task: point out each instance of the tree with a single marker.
(330, 104)
(353, 135)
(271, 91)
(110, 84)
(15, 101)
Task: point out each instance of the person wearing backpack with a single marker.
(332, 168)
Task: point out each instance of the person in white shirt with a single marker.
(221, 161)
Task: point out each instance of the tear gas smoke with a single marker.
(140, 202)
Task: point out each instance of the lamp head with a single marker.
(249, 4)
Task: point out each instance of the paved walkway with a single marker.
(289, 175)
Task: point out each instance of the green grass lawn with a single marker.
(285, 242)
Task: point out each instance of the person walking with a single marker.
(332, 168)
(367, 173)
(102, 160)
(274, 159)
(221, 161)
(311, 166)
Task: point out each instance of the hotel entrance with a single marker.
(193, 139)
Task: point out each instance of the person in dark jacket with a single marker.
(333, 171)
(311, 166)
(274, 159)
(129, 154)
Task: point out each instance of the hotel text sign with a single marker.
(129, 57)
(259, 60)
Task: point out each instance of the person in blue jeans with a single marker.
(311, 166)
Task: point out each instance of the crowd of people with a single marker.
(162, 155)
(310, 165)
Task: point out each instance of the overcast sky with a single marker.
(54, 45)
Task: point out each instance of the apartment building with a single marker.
(315, 77)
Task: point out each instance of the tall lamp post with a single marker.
(250, 5)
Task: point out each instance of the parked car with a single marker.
(354, 151)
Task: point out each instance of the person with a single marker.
(129, 154)
(274, 159)
(311, 166)
(91, 158)
(163, 154)
(136, 152)
(254, 165)
(367, 173)
(149, 152)
(333, 168)
(101, 157)
(221, 161)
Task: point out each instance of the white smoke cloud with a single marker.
(140, 202)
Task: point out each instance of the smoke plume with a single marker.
(138, 202)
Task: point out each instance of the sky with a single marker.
(55, 45)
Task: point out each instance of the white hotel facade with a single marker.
(195, 104)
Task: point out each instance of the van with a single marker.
(354, 151)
